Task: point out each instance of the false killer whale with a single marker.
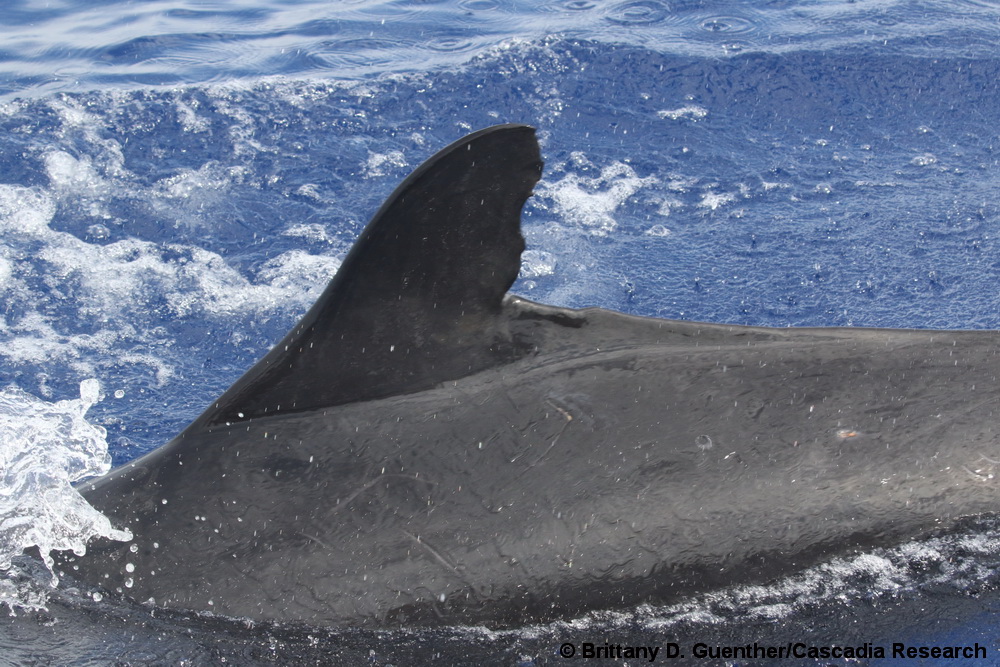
(424, 448)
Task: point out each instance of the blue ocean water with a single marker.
(179, 179)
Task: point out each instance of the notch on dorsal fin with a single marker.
(417, 300)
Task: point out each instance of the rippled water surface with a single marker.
(51, 46)
(178, 181)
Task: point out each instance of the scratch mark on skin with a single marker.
(555, 439)
(369, 484)
(981, 476)
(435, 553)
(315, 539)
(569, 418)
(563, 412)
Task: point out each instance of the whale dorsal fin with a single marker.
(417, 300)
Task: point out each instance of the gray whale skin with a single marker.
(425, 449)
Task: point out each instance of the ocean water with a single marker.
(179, 179)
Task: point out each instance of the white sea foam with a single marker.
(6, 273)
(298, 272)
(312, 191)
(591, 201)
(211, 178)
(188, 116)
(668, 205)
(690, 111)
(105, 153)
(310, 231)
(380, 164)
(67, 173)
(45, 448)
(116, 282)
(713, 200)
(537, 263)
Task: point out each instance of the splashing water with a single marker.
(44, 448)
